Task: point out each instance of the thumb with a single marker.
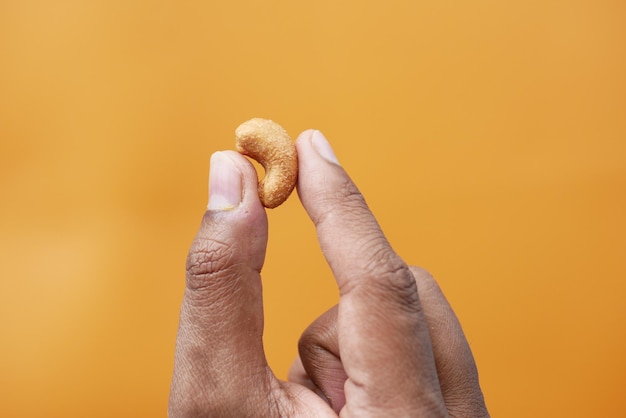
(219, 352)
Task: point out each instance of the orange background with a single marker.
(488, 137)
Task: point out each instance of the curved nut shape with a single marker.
(269, 144)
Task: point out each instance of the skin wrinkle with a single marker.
(459, 384)
(351, 201)
(458, 407)
(322, 369)
(210, 260)
(326, 219)
(214, 286)
(210, 249)
(361, 271)
(386, 274)
(196, 394)
(384, 262)
(379, 314)
(318, 359)
(278, 400)
(386, 347)
(429, 405)
(367, 382)
(328, 196)
(215, 394)
(201, 333)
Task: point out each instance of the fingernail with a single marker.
(224, 183)
(323, 148)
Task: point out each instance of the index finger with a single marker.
(383, 337)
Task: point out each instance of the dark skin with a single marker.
(391, 347)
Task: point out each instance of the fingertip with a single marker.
(323, 147)
(234, 212)
(233, 182)
(314, 141)
(304, 136)
(319, 173)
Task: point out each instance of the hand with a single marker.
(392, 347)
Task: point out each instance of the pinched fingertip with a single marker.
(313, 139)
(323, 148)
(232, 182)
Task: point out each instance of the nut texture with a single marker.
(268, 143)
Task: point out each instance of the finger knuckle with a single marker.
(349, 196)
(401, 289)
(345, 196)
(349, 193)
(209, 263)
(392, 278)
(313, 342)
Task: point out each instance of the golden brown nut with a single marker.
(269, 144)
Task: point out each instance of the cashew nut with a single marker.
(268, 143)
